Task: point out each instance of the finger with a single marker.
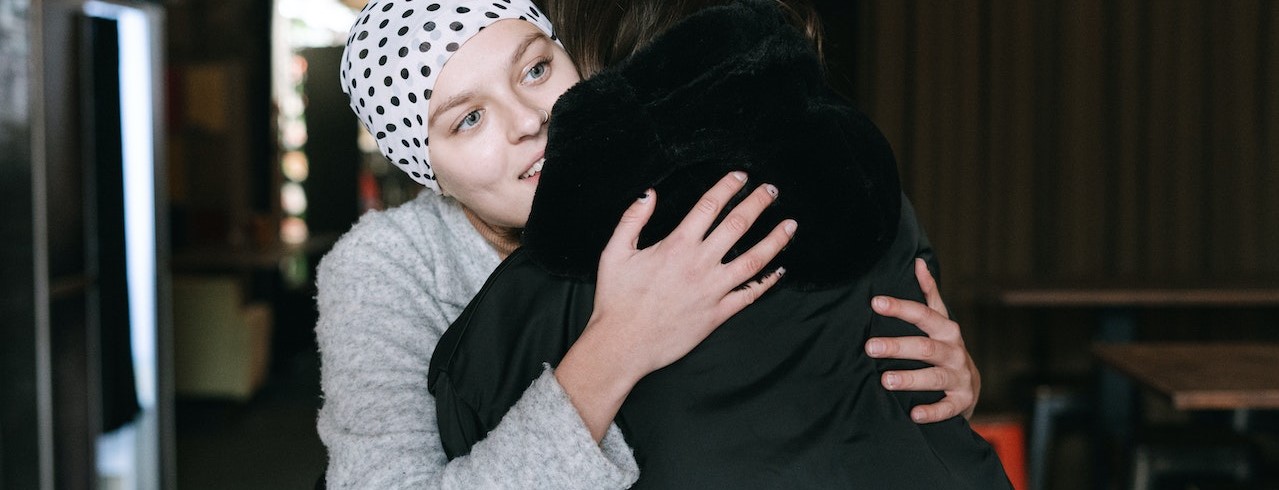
(703, 214)
(913, 347)
(750, 263)
(929, 286)
(740, 298)
(626, 236)
(936, 412)
(739, 220)
(932, 322)
(926, 379)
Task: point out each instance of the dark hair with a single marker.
(599, 33)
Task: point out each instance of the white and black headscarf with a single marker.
(394, 54)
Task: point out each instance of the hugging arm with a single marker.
(380, 313)
(652, 306)
(953, 371)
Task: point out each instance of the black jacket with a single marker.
(781, 395)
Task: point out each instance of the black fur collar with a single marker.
(732, 87)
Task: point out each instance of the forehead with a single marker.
(492, 47)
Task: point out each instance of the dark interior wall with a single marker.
(19, 408)
(1087, 139)
(226, 180)
(1082, 140)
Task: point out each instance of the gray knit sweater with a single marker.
(387, 291)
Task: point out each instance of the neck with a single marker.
(503, 240)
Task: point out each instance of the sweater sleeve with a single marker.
(379, 321)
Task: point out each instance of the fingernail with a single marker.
(891, 380)
(917, 415)
(875, 347)
(644, 197)
(739, 175)
(771, 190)
(880, 303)
(781, 271)
(789, 226)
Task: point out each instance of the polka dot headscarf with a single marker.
(395, 52)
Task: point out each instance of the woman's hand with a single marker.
(953, 370)
(653, 306)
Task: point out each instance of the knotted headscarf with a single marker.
(396, 50)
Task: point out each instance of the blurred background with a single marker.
(1093, 174)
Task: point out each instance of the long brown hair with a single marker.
(599, 33)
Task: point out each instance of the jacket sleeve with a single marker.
(378, 325)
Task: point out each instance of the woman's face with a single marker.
(486, 125)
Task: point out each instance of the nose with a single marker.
(527, 121)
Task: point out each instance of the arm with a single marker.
(953, 369)
(379, 322)
(653, 306)
(379, 422)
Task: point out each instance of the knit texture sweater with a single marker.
(387, 291)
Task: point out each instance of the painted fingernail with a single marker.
(875, 347)
(739, 175)
(891, 381)
(644, 197)
(789, 226)
(771, 190)
(880, 303)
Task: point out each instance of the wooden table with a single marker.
(1201, 376)
(1116, 304)
(1121, 296)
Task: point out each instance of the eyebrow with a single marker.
(528, 41)
(464, 97)
(449, 104)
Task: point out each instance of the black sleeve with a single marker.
(521, 318)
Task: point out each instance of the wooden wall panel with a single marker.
(924, 159)
(1011, 102)
(887, 37)
(1268, 93)
(1158, 139)
(1188, 70)
(1056, 141)
(1235, 109)
(1128, 109)
(969, 164)
(1085, 139)
(1083, 179)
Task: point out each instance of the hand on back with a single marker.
(661, 301)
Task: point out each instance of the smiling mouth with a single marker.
(534, 170)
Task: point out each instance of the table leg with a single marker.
(1116, 399)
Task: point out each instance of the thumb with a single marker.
(626, 236)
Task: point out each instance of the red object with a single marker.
(1008, 437)
(370, 191)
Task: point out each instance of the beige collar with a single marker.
(503, 240)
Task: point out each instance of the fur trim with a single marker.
(730, 88)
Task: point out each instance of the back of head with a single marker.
(598, 34)
(731, 87)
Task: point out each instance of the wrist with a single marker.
(607, 365)
(595, 381)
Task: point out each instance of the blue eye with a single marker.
(472, 118)
(537, 71)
